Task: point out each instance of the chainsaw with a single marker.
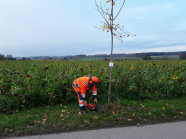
(92, 107)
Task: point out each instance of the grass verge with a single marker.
(61, 118)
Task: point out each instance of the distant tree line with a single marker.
(147, 57)
(7, 57)
(183, 56)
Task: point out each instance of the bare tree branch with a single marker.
(125, 32)
(100, 10)
(104, 11)
(96, 27)
(119, 10)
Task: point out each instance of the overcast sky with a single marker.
(66, 27)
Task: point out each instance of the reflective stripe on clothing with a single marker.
(94, 93)
(74, 84)
(85, 83)
(81, 103)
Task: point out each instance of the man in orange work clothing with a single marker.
(81, 85)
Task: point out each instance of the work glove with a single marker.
(85, 103)
(95, 101)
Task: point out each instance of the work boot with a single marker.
(96, 108)
(82, 112)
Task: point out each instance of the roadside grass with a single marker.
(63, 118)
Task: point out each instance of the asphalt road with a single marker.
(175, 130)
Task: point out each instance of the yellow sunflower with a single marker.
(132, 67)
(175, 77)
(28, 77)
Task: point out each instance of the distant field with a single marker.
(165, 57)
(85, 59)
(175, 57)
(115, 58)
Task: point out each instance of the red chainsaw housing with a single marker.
(91, 106)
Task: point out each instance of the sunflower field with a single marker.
(27, 84)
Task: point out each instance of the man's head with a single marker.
(94, 81)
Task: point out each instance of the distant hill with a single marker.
(41, 58)
(154, 55)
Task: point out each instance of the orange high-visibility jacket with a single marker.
(81, 85)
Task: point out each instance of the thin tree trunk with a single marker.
(111, 59)
(110, 75)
